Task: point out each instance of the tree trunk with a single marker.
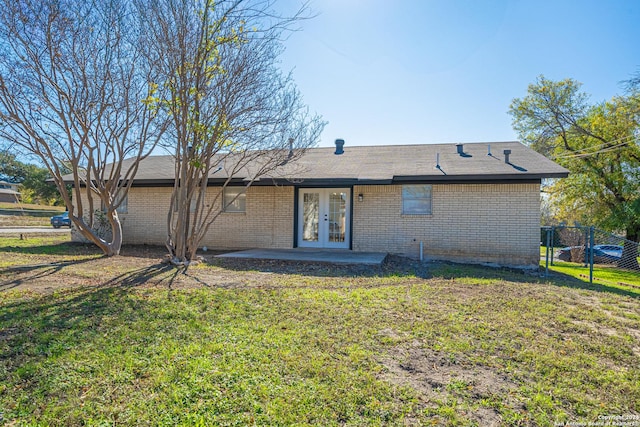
(108, 248)
(116, 235)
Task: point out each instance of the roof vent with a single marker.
(460, 150)
(506, 156)
(339, 146)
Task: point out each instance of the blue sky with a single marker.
(433, 71)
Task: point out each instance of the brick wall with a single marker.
(267, 222)
(496, 223)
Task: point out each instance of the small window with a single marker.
(416, 199)
(120, 209)
(123, 208)
(192, 204)
(235, 199)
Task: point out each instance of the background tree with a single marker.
(34, 187)
(232, 112)
(11, 169)
(71, 85)
(598, 143)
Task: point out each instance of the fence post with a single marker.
(546, 270)
(553, 239)
(591, 238)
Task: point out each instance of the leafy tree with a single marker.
(41, 191)
(32, 179)
(598, 143)
(230, 109)
(71, 84)
(11, 169)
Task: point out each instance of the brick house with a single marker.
(477, 202)
(9, 192)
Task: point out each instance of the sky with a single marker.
(438, 71)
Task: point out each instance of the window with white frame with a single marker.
(416, 199)
(235, 199)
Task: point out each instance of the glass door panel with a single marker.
(310, 216)
(324, 218)
(337, 216)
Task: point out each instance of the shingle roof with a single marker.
(390, 163)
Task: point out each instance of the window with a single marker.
(192, 204)
(120, 209)
(416, 199)
(235, 199)
(123, 206)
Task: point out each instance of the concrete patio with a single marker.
(333, 256)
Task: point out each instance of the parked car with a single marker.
(607, 254)
(61, 220)
(602, 254)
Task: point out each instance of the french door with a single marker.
(323, 218)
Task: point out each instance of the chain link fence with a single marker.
(589, 246)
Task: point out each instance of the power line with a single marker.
(607, 147)
(606, 144)
(622, 141)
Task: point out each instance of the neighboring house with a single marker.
(9, 192)
(476, 202)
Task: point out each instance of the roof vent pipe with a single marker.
(460, 149)
(290, 147)
(506, 155)
(339, 146)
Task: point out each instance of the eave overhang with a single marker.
(348, 182)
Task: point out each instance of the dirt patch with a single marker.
(142, 266)
(635, 333)
(8, 333)
(595, 327)
(434, 375)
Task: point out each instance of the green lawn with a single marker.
(42, 249)
(462, 346)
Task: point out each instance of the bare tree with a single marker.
(72, 91)
(233, 114)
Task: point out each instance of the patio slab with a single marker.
(311, 255)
